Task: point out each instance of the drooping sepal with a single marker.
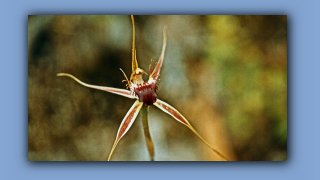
(126, 124)
(176, 115)
(121, 92)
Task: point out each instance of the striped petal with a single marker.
(176, 115)
(126, 123)
(157, 69)
(121, 92)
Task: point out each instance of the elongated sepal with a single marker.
(176, 115)
(156, 71)
(121, 92)
(134, 52)
(126, 123)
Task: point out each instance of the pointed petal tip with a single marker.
(121, 92)
(68, 75)
(156, 70)
(126, 123)
(176, 115)
(165, 32)
(61, 74)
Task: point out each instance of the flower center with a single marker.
(146, 93)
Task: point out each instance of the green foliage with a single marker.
(249, 54)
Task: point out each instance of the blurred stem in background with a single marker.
(144, 114)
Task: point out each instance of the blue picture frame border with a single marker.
(303, 93)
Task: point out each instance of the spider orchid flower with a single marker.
(144, 93)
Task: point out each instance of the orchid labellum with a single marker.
(146, 95)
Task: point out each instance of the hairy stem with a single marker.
(144, 114)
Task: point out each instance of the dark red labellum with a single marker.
(146, 93)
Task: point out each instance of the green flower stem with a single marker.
(144, 114)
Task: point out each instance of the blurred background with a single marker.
(226, 74)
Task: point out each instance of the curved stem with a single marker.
(144, 114)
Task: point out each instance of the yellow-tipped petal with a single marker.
(126, 123)
(176, 115)
(121, 92)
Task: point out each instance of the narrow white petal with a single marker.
(176, 115)
(156, 71)
(171, 111)
(126, 123)
(121, 92)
